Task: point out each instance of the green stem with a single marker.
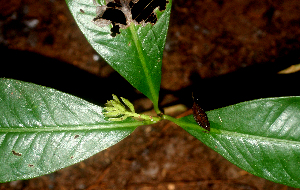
(185, 124)
(149, 117)
(170, 118)
(180, 123)
(138, 46)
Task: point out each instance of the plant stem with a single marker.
(185, 124)
(178, 122)
(170, 118)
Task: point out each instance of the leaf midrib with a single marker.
(72, 127)
(144, 65)
(249, 136)
(215, 131)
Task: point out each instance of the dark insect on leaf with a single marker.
(200, 116)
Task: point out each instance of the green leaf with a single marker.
(43, 130)
(136, 53)
(260, 136)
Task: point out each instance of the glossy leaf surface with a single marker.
(43, 130)
(260, 136)
(136, 53)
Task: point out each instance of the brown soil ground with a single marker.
(229, 51)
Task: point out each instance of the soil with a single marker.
(225, 51)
